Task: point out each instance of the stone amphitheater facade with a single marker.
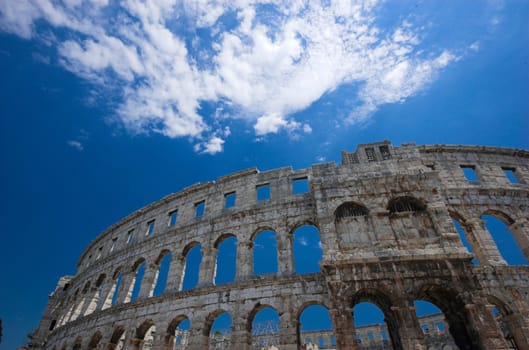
(385, 220)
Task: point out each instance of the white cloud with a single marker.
(75, 144)
(264, 68)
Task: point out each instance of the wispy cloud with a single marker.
(264, 62)
(75, 144)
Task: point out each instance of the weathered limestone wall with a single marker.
(385, 221)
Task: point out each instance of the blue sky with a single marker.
(106, 106)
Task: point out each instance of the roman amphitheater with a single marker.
(396, 226)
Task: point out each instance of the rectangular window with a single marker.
(370, 154)
(510, 173)
(113, 245)
(430, 166)
(470, 173)
(199, 209)
(263, 192)
(130, 236)
(384, 151)
(229, 199)
(173, 216)
(150, 228)
(300, 186)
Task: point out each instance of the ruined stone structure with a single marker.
(385, 220)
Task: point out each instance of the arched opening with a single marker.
(193, 258)
(220, 330)
(371, 330)
(264, 327)
(307, 249)
(315, 327)
(463, 237)
(352, 225)
(508, 323)
(178, 333)
(434, 325)
(226, 263)
(94, 341)
(509, 248)
(410, 220)
(455, 314)
(164, 263)
(114, 292)
(265, 253)
(117, 340)
(145, 332)
(139, 269)
(77, 344)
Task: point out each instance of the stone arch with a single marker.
(466, 235)
(259, 230)
(404, 204)
(226, 257)
(453, 308)
(145, 335)
(114, 291)
(266, 333)
(117, 339)
(323, 326)
(219, 338)
(95, 340)
(159, 277)
(350, 209)
(510, 322)
(190, 273)
(77, 344)
(353, 226)
(306, 248)
(511, 239)
(175, 336)
(265, 248)
(138, 271)
(383, 301)
(410, 220)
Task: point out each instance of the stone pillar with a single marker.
(288, 328)
(486, 330)
(486, 251)
(518, 329)
(125, 290)
(105, 300)
(285, 264)
(244, 260)
(198, 340)
(207, 266)
(91, 302)
(174, 276)
(149, 279)
(342, 318)
(409, 330)
(520, 231)
(240, 336)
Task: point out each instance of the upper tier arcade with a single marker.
(386, 219)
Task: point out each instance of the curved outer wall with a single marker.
(384, 255)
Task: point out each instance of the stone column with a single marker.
(240, 336)
(207, 266)
(520, 231)
(126, 286)
(149, 279)
(288, 332)
(174, 277)
(485, 328)
(244, 260)
(285, 264)
(486, 251)
(107, 288)
(409, 330)
(198, 340)
(342, 317)
(92, 299)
